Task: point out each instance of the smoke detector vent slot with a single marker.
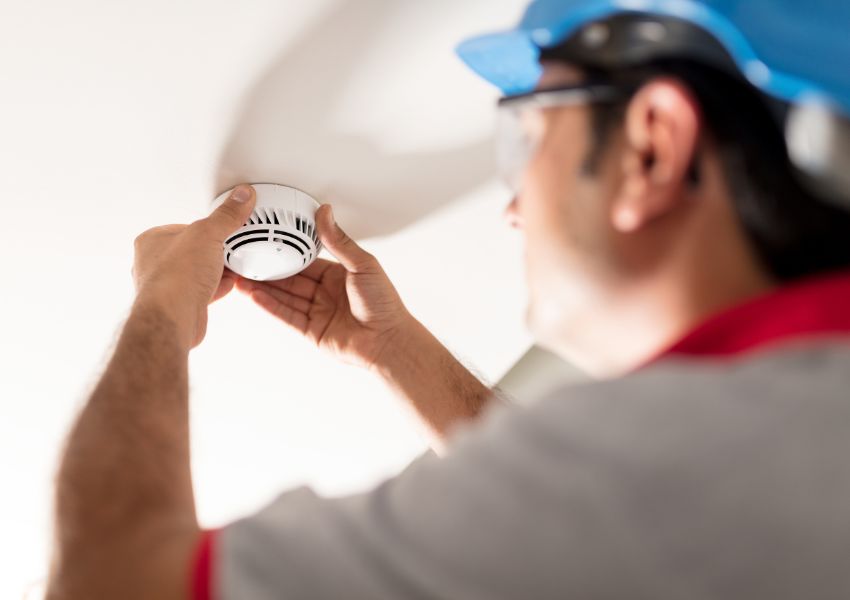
(280, 237)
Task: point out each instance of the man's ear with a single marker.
(662, 126)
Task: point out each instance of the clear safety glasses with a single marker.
(520, 126)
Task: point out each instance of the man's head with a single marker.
(614, 225)
(646, 210)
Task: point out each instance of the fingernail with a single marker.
(331, 214)
(241, 193)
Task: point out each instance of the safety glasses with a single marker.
(520, 126)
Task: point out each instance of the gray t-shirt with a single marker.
(691, 479)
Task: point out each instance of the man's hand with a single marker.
(349, 309)
(179, 269)
(125, 512)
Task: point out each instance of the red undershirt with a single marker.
(818, 307)
(814, 308)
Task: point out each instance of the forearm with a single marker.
(124, 482)
(435, 384)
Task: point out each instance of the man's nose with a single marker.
(511, 214)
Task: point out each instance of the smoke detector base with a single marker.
(279, 239)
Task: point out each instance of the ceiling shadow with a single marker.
(282, 134)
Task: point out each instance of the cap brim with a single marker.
(509, 60)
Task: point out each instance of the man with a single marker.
(673, 248)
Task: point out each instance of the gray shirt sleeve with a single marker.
(681, 483)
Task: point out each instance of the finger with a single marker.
(233, 212)
(295, 319)
(245, 285)
(347, 252)
(286, 298)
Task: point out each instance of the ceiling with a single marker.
(120, 116)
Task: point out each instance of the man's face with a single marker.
(570, 247)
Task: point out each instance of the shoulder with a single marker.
(682, 412)
(689, 389)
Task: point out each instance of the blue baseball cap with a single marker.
(792, 50)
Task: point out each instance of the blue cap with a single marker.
(790, 49)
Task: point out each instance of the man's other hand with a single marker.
(349, 309)
(179, 269)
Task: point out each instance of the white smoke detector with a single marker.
(279, 239)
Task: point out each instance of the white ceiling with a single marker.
(118, 116)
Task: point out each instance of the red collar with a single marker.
(815, 307)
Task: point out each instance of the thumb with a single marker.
(234, 211)
(347, 252)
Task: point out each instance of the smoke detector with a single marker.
(279, 239)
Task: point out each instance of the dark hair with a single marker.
(793, 232)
